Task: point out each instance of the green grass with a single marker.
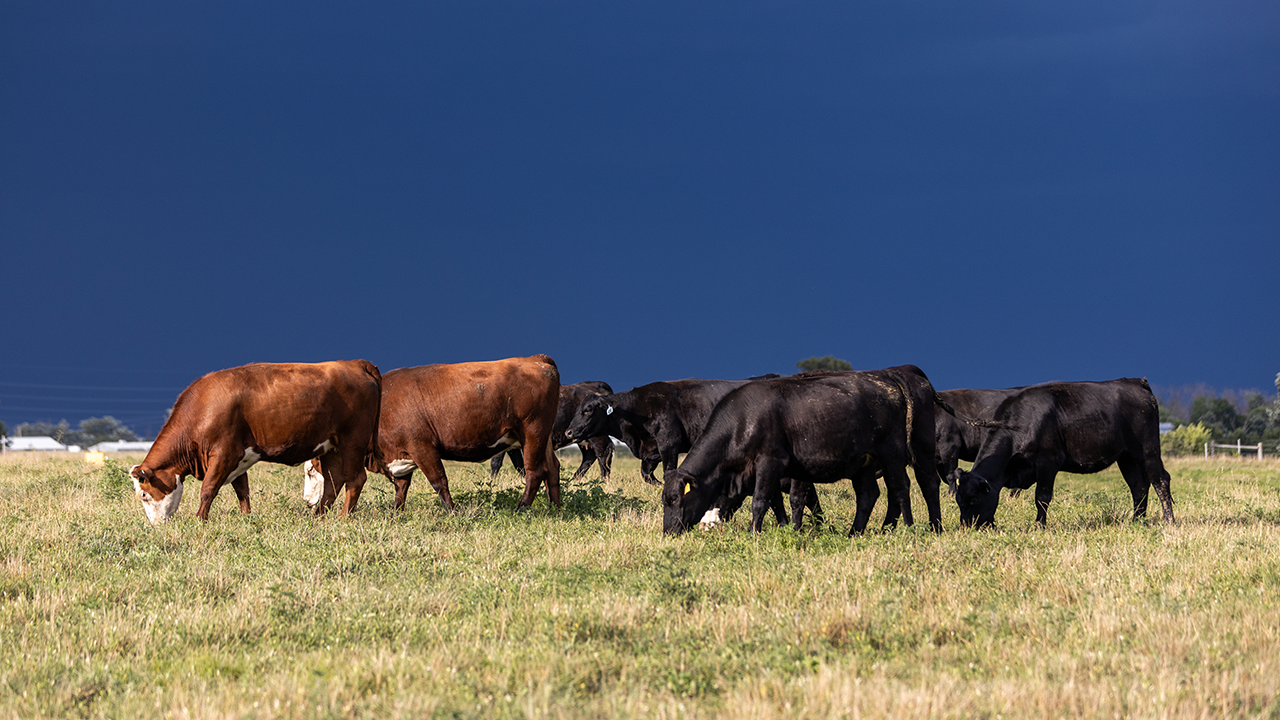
(590, 612)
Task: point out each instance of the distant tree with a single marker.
(103, 429)
(826, 362)
(43, 429)
(91, 431)
(1217, 414)
(1168, 416)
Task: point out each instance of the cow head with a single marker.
(160, 493)
(685, 502)
(590, 421)
(312, 481)
(977, 498)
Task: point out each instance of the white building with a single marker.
(122, 446)
(39, 442)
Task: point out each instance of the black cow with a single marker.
(958, 435)
(813, 429)
(657, 421)
(593, 449)
(1079, 427)
(923, 404)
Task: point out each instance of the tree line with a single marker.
(90, 431)
(1248, 416)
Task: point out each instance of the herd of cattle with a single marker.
(760, 437)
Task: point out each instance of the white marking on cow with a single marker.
(324, 447)
(506, 442)
(711, 518)
(608, 410)
(158, 511)
(400, 468)
(312, 483)
(251, 456)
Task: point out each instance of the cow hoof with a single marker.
(522, 508)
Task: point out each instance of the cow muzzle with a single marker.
(158, 511)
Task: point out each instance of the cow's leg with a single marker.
(218, 471)
(866, 491)
(604, 455)
(353, 475)
(428, 461)
(814, 505)
(402, 488)
(779, 507)
(327, 491)
(801, 492)
(930, 486)
(768, 484)
(1135, 477)
(495, 465)
(898, 486)
(241, 486)
(588, 458)
(729, 505)
(541, 464)
(328, 465)
(647, 466)
(1046, 473)
(517, 461)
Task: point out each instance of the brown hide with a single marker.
(470, 412)
(278, 412)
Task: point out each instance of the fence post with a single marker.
(1259, 449)
(1206, 451)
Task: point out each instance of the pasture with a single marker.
(590, 612)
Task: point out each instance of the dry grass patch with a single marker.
(589, 611)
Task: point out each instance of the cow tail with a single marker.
(911, 415)
(374, 459)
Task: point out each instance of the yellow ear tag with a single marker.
(687, 488)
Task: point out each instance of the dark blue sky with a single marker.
(1000, 192)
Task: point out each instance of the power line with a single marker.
(6, 409)
(171, 389)
(77, 398)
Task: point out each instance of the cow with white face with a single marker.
(158, 510)
(287, 413)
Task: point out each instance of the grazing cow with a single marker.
(471, 412)
(812, 429)
(593, 449)
(285, 413)
(657, 421)
(1079, 427)
(959, 436)
(923, 404)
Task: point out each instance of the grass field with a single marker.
(590, 612)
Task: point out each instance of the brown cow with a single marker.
(470, 412)
(279, 412)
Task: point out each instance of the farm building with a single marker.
(122, 446)
(39, 442)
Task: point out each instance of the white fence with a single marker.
(1211, 448)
